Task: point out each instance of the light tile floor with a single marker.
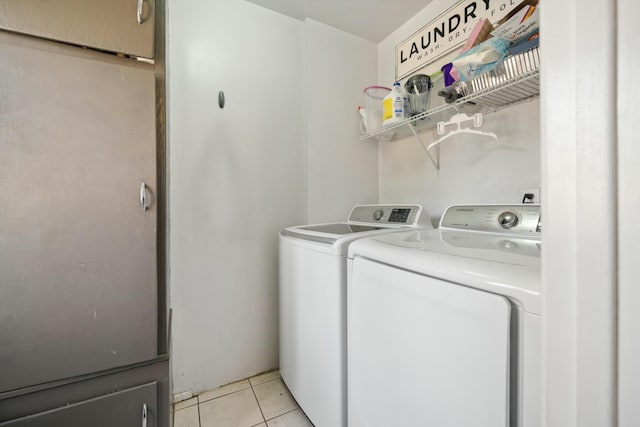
(260, 401)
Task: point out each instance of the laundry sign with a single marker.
(447, 32)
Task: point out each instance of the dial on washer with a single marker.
(378, 214)
(508, 219)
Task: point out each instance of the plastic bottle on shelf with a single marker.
(395, 105)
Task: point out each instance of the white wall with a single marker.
(629, 206)
(286, 144)
(473, 169)
(237, 176)
(343, 171)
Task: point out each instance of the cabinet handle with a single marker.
(140, 11)
(143, 196)
(144, 415)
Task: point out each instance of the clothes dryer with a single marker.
(312, 297)
(444, 326)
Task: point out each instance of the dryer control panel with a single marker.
(401, 215)
(512, 219)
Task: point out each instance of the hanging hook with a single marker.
(457, 119)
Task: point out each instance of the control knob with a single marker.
(508, 219)
(378, 214)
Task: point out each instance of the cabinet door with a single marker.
(107, 25)
(126, 408)
(78, 278)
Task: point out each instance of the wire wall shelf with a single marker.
(498, 93)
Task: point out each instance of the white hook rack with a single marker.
(456, 119)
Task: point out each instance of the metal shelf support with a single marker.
(436, 160)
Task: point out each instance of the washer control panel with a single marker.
(515, 219)
(389, 214)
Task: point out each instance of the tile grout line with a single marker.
(199, 420)
(225, 394)
(264, 420)
(288, 412)
(285, 413)
(186, 407)
(258, 402)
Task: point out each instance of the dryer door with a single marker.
(425, 352)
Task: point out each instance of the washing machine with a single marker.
(444, 325)
(312, 299)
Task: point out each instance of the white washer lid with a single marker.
(363, 221)
(316, 238)
(503, 264)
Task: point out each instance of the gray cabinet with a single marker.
(78, 271)
(113, 25)
(133, 407)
